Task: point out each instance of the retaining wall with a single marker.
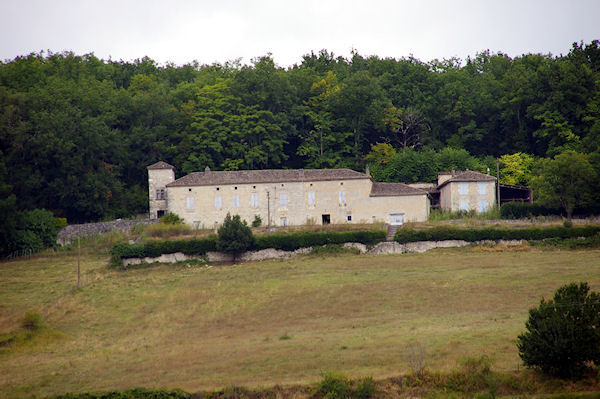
(69, 233)
(387, 247)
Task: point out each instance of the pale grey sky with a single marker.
(181, 31)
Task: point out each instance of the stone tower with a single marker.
(159, 175)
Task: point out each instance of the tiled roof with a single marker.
(394, 189)
(160, 165)
(467, 175)
(210, 178)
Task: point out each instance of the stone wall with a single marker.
(69, 233)
(383, 248)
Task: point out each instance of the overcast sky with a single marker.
(181, 31)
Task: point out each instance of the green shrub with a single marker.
(257, 221)
(563, 333)
(365, 388)
(171, 218)
(59, 223)
(521, 210)
(293, 241)
(32, 321)
(334, 386)
(234, 236)
(405, 235)
(154, 249)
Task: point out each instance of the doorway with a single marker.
(396, 219)
(325, 219)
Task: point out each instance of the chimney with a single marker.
(207, 169)
(367, 171)
(488, 171)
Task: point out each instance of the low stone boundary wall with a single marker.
(387, 247)
(70, 232)
(392, 247)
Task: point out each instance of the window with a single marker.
(464, 205)
(481, 187)
(342, 198)
(283, 221)
(311, 198)
(463, 189)
(160, 194)
(236, 201)
(197, 225)
(190, 202)
(349, 218)
(218, 202)
(283, 199)
(482, 205)
(254, 200)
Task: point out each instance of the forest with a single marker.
(77, 132)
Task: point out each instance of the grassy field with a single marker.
(273, 322)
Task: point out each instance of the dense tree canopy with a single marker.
(77, 132)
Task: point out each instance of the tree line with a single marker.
(77, 132)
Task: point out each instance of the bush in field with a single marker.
(171, 218)
(234, 236)
(257, 221)
(563, 334)
(32, 321)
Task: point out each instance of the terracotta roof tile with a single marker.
(394, 189)
(210, 178)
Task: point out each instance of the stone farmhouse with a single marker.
(308, 196)
(466, 190)
(283, 197)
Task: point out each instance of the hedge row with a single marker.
(520, 210)
(156, 248)
(287, 242)
(136, 393)
(533, 233)
(293, 241)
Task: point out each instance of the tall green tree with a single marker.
(567, 181)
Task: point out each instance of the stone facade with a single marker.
(290, 197)
(466, 191)
(159, 175)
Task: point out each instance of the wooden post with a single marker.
(498, 183)
(79, 257)
(268, 209)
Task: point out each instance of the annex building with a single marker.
(283, 197)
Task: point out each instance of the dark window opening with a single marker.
(349, 218)
(160, 214)
(326, 219)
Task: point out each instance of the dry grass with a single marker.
(201, 328)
